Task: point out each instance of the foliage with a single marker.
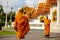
(2, 16)
(1, 9)
(11, 15)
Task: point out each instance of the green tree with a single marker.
(2, 17)
(13, 16)
(1, 9)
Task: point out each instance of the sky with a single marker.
(11, 3)
(18, 4)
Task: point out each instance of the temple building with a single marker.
(43, 8)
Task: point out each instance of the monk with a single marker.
(21, 24)
(47, 27)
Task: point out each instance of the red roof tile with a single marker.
(43, 8)
(53, 2)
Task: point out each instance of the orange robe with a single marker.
(47, 26)
(21, 25)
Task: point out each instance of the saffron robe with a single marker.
(47, 26)
(21, 25)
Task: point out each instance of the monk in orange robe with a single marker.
(21, 24)
(47, 27)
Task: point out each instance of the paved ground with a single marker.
(34, 35)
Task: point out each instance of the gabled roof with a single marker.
(34, 14)
(52, 2)
(43, 8)
(47, 8)
(40, 8)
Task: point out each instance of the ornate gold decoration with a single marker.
(42, 18)
(54, 16)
